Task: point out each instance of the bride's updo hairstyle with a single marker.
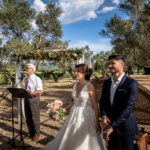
(83, 68)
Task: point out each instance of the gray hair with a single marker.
(32, 66)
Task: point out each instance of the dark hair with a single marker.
(117, 57)
(83, 68)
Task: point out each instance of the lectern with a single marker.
(18, 93)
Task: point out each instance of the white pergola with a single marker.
(86, 58)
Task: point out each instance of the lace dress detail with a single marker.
(79, 130)
(83, 99)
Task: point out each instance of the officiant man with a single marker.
(32, 105)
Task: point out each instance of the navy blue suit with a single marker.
(121, 112)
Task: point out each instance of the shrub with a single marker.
(3, 78)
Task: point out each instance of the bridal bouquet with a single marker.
(56, 111)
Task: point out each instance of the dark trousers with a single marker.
(32, 112)
(118, 142)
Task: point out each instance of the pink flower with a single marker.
(58, 101)
(53, 117)
(56, 111)
(56, 117)
(55, 105)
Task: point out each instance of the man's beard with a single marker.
(114, 71)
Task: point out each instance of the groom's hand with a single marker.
(107, 133)
(105, 121)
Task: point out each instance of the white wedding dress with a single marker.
(78, 131)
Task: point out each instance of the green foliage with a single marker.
(39, 42)
(3, 78)
(18, 47)
(67, 75)
(6, 77)
(67, 56)
(4, 53)
(15, 24)
(41, 75)
(123, 37)
(130, 37)
(100, 62)
(57, 73)
(15, 17)
(48, 22)
(96, 73)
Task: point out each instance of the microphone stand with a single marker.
(12, 141)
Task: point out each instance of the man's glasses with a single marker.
(28, 68)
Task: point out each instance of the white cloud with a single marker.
(76, 10)
(106, 9)
(116, 1)
(97, 46)
(38, 5)
(33, 24)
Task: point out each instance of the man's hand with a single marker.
(37, 92)
(107, 133)
(105, 121)
(32, 93)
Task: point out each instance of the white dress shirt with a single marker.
(114, 86)
(33, 83)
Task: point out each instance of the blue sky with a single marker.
(82, 20)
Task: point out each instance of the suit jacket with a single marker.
(121, 113)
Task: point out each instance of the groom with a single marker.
(117, 102)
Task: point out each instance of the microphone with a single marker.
(22, 72)
(22, 75)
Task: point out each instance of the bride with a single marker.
(81, 130)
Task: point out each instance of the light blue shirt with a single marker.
(33, 83)
(114, 86)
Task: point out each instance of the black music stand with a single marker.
(18, 93)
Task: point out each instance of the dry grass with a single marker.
(143, 79)
(49, 128)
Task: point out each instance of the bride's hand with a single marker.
(69, 106)
(98, 128)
